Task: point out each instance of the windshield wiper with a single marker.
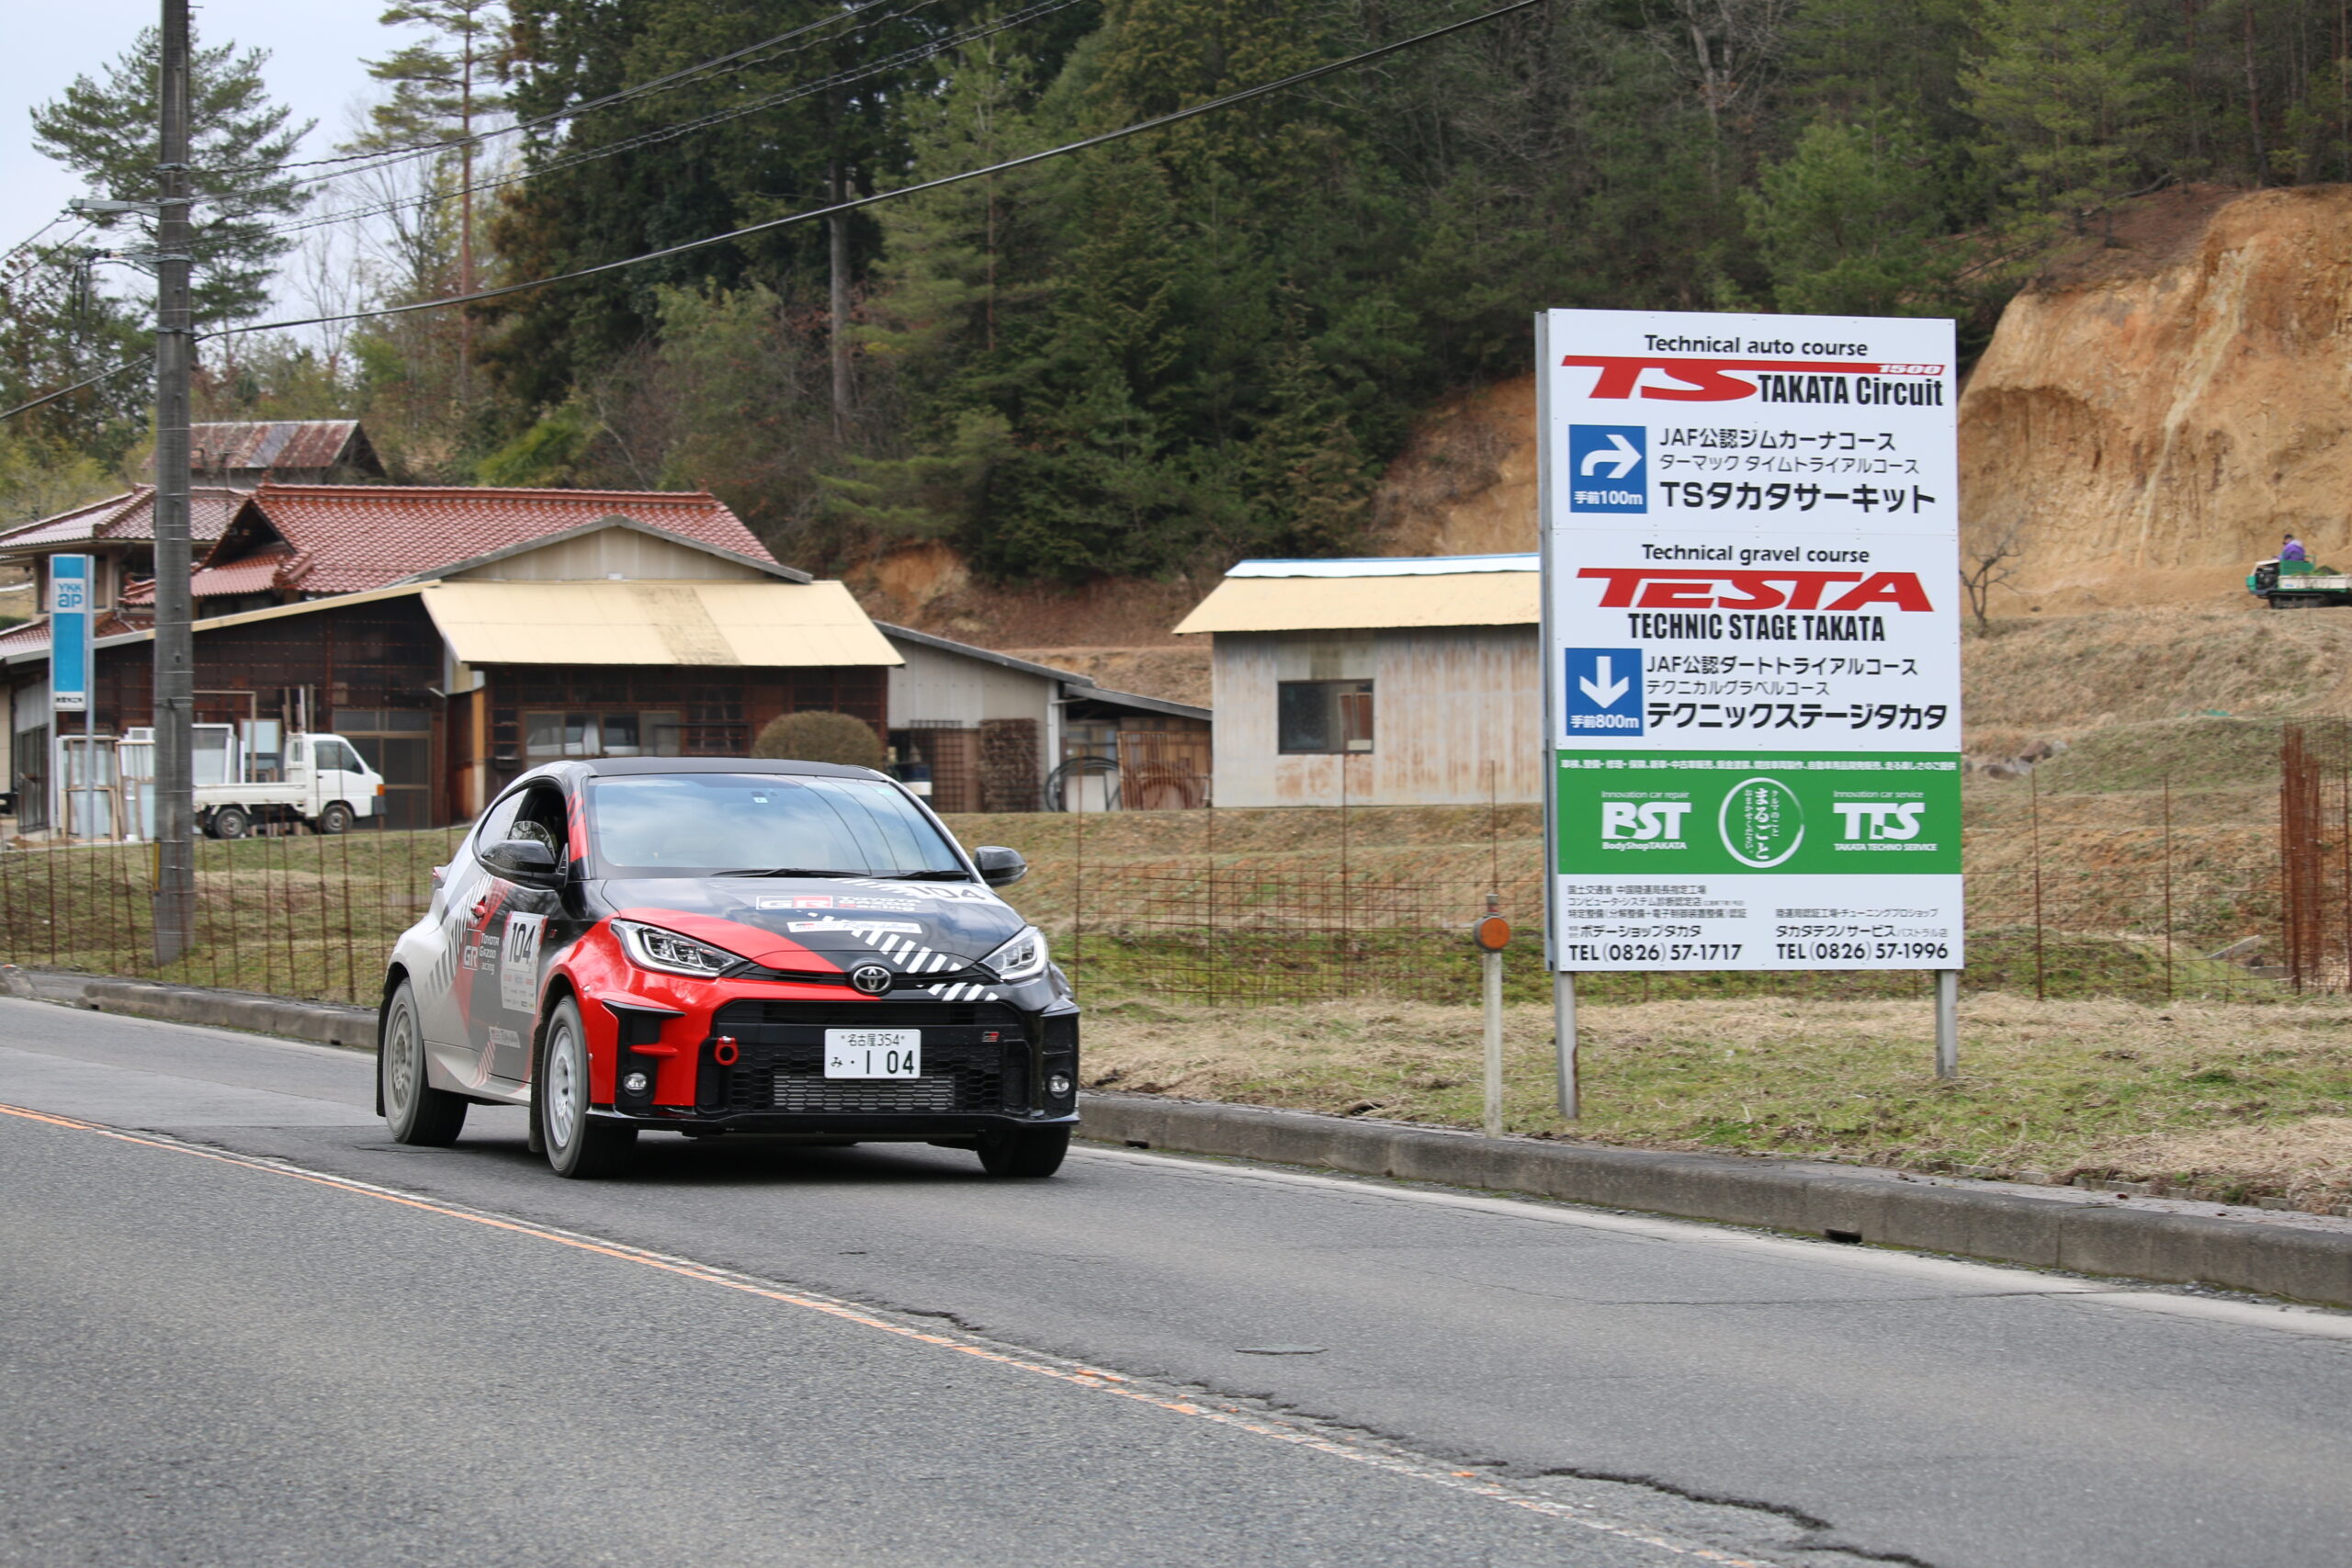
(920, 877)
(785, 871)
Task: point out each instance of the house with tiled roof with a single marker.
(118, 533)
(293, 542)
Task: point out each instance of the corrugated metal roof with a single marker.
(769, 624)
(1389, 566)
(1368, 604)
(275, 444)
(356, 537)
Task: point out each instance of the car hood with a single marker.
(843, 921)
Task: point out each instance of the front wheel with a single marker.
(335, 818)
(1023, 1153)
(416, 1111)
(578, 1145)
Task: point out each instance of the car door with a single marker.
(503, 1000)
(341, 776)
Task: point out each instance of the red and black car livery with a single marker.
(710, 945)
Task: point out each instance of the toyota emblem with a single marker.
(871, 978)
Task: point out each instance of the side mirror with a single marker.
(1000, 867)
(522, 860)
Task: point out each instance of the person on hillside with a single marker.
(2292, 549)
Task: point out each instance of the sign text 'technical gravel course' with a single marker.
(1750, 578)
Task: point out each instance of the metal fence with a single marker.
(2148, 909)
(307, 916)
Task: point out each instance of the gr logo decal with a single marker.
(871, 978)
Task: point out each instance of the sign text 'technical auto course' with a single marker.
(1750, 561)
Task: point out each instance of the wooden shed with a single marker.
(1407, 681)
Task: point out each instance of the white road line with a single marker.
(1075, 1375)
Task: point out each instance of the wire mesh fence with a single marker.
(311, 916)
(2145, 909)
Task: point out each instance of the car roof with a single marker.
(610, 767)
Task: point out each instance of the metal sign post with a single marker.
(1751, 639)
(69, 675)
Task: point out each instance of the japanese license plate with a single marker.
(873, 1053)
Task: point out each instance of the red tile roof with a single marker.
(349, 538)
(35, 632)
(130, 516)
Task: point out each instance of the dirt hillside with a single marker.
(2155, 412)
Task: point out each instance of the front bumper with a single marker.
(753, 1060)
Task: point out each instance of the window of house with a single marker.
(549, 736)
(1323, 716)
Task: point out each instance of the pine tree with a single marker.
(1847, 222)
(443, 90)
(107, 130)
(2068, 93)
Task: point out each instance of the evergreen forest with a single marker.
(1152, 357)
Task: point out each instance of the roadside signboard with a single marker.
(69, 634)
(1751, 641)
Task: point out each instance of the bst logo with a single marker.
(1644, 821)
(1873, 819)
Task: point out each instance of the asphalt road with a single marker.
(238, 1325)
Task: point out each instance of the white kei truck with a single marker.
(321, 782)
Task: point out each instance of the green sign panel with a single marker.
(1646, 814)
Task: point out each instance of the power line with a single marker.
(1228, 100)
(686, 128)
(389, 157)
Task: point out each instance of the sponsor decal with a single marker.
(912, 927)
(504, 1039)
(518, 971)
(945, 893)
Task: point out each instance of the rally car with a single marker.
(713, 946)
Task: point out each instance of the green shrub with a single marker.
(818, 737)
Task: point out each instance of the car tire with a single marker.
(417, 1114)
(1023, 1153)
(337, 818)
(578, 1145)
(229, 822)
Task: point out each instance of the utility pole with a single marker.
(175, 895)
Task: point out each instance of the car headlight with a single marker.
(1022, 958)
(650, 947)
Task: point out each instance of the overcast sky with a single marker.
(314, 67)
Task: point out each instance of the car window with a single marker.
(695, 824)
(330, 755)
(498, 823)
(541, 818)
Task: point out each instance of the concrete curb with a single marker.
(2308, 1265)
(324, 1024)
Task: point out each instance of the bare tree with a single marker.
(1991, 562)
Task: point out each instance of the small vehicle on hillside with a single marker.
(321, 782)
(707, 945)
(2297, 584)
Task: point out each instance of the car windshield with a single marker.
(711, 824)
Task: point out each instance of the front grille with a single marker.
(975, 1058)
(740, 1018)
(853, 1095)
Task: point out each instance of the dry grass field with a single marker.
(2229, 1102)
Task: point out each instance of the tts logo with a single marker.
(1880, 819)
(1647, 820)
